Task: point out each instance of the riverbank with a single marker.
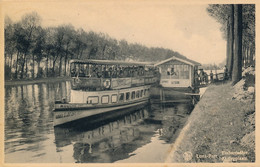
(221, 128)
(35, 81)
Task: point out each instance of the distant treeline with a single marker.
(33, 51)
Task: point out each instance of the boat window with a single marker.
(137, 94)
(127, 96)
(92, 100)
(141, 95)
(114, 98)
(121, 97)
(133, 95)
(105, 99)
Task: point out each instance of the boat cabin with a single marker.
(178, 73)
(110, 75)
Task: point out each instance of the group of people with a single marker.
(203, 78)
(113, 71)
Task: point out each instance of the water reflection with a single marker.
(31, 137)
(28, 116)
(117, 139)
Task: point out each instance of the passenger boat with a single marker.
(101, 86)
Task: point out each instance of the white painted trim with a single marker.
(174, 58)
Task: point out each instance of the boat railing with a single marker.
(93, 83)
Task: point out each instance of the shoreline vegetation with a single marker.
(35, 81)
(221, 128)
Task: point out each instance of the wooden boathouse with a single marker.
(177, 73)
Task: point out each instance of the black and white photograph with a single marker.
(128, 82)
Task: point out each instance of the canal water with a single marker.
(144, 135)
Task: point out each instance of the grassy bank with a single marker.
(35, 81)
(220, 129)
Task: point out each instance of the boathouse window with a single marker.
(92, 100)
(133, 95)
(121, 97)
(114, 98)
(127, 96)
(175, 71)
(138, 94)
(105, 99)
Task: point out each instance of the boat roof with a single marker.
(184, 60)
(110, 62)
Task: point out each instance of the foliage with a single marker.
(28, 46)
(238, 27)
(221, 12)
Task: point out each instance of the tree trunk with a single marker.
(231, 52)
(33, 67)
(81, 52)
(26, 67)
(66, 59)
(237, 64)
(11, 63)
(228, 43)
(60, 69)
(53, 67)
(251, 55)
(243, 56)
(38, 70)
(47, 64)
(16, 65)
(23, 63)
(247, 56)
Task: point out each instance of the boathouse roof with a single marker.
(184, 60)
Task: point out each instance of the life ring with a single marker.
(107, 83)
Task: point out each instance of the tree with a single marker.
(240, 44)
(29, 23)
(237, 64)
(49, 47)
(38, 50)
(70, 34)
(80, 43)
(9, 46)
(230, 40)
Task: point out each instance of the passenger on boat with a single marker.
(105, 73)
(73, 73)
(114, 72)
(121, 72)
(94, 73)
(110, 70)
(81, 73)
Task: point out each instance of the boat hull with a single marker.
(69, 113)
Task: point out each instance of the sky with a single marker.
(183, 28)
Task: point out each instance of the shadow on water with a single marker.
(117, 138)
(31, 137)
